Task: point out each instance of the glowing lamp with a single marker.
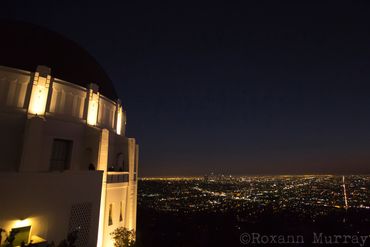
(119, 120)
(39, 94)
(22, 223)
(93, 106)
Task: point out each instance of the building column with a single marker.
(119, 118)
(92, 104)
(33, 134)
(39, 91)
(102, 166)
(130, 223)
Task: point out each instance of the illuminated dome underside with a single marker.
(24, 46)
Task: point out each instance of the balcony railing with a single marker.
(117, 177)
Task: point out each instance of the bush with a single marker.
(123, 237)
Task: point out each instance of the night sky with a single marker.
(260, 88)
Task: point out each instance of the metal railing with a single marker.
(117, 177)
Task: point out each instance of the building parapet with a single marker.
(20, 89)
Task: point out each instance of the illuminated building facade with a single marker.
(66, 162)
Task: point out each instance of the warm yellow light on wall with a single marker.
(22, 223)
(119, 120)
(39, 94)
(102, 166)
(93, 107)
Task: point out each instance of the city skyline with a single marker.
(223, 209)
(254, 88)
(181, 124)
(247, 175)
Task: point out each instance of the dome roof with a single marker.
(24, 46)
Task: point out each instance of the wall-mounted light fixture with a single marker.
(39, 91)
(93, 105)
(22, 223)
(119, 118)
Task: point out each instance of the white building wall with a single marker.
(13, 87)
(67, 100)
(45, 201)
(11, 140)
(116, 194)
(106, 115)
(26, 146)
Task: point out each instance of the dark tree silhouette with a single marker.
(123, 237)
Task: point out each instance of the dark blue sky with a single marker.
(257, 88)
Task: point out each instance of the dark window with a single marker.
(60, 155)
(110, 218)
(120, 212)
(120, 162)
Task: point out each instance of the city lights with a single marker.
(308, 196)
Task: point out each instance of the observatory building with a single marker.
(66, 162)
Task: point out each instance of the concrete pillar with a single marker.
(136, 184)
(131, 189)
(102, 166)
(119, 118)
(124, 122)
(92, 110)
